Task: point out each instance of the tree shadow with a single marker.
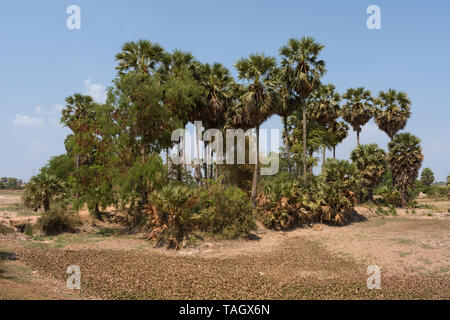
(6, 256)
(355, 217)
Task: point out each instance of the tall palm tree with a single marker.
(141, 56)
(358, 109)
(371, 162)
(284, 107)
(300, 60)
(323, 105)
(218, 83)
(405, 159)
(256, 106)
(392, 112)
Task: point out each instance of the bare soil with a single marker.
(322, 262)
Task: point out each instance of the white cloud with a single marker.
(27, 121)
(39, 109)
(96, 91)
(57, 110)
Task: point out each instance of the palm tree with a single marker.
(337, 133)
(304, 70)
(358, 109)
(140, 56)
(371, 162)
(392, 112)
(338, 184)
(284, 107)
(405, 159)
(218, 91)
(427, 177)
(324, 107)
(42, 190)
(257, 102)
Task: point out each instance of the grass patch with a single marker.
(407, 242)
(404, 254)
(425, 260)
(107, 232)
(5, 229)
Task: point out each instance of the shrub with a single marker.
(5, 229)
(329, 199)
(177, 213)
(172, 215)
(226, 212)
(279, 205)
(58, 220)
(391, 197)
(337, 188)
(28, 230)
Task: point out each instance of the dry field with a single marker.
(322, 262)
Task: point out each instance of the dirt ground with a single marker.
(322, 262)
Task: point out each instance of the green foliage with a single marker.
(42, 191)
(390, 196)
(226, 212)
(6, 229)
(28, 230)
(392, 111)
(58, 220)
(278, 205)
(330, 198)
(405, 158)
(427, 177)
(338, 184)
(133, 186)
(358, 108)
(10, 183)
(371, 163)
(61, 167)
(177, 213)
(448, 187)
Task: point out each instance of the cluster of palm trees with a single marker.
(156, 92)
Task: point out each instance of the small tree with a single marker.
(371, 163)
(42, 190)
(405, 158)
(427, 177)
(448, 187)
(358, 109)
(392, 112)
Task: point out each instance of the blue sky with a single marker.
(42, 62)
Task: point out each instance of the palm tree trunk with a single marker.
(323, 152)
(286, 139)
(370, 195)
(46, 203)
(167, 160)
(334, 152)
(304, 137)
(211, 165)
(198, 150)
(255, 173)
(179, 176)
(357, 136)
(205, 165)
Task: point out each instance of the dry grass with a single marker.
(319, 263)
